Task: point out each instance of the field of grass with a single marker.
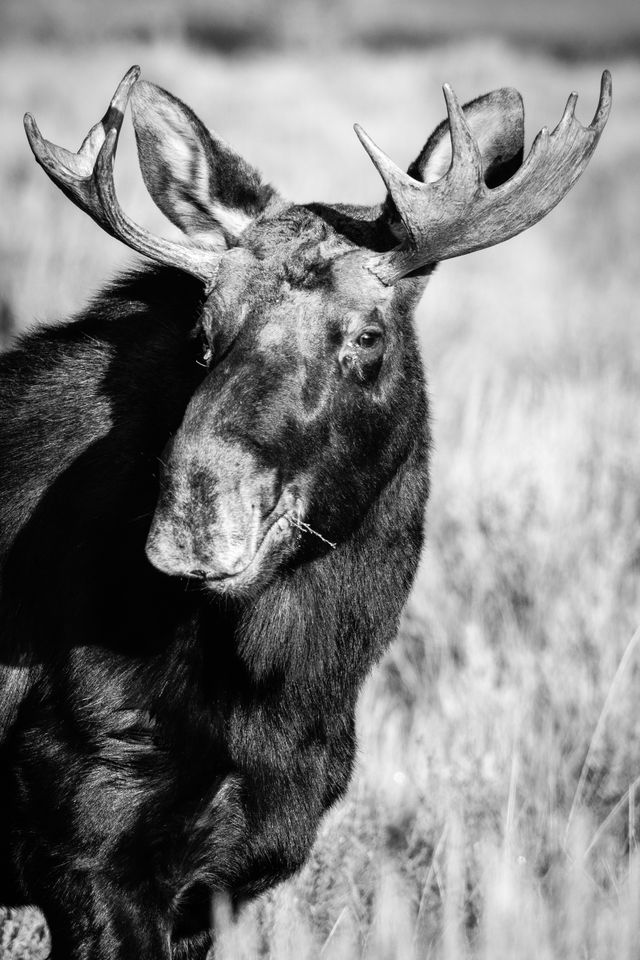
(496, 808)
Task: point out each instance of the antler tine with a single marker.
(466, 161)
(73, 172)
(569, 110)
(603, 109)
(459, 213)
(86, 177)
(390, 172)
(555, 162)
(403, 188)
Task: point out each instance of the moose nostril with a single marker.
(198, 574)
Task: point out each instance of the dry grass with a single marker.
(500, 714)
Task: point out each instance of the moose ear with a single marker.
(497, 124)
(198, 182)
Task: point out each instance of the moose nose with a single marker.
(212, 513)
(229, 567)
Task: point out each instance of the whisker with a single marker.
(301, 525)
(141, 516)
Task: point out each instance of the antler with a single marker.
(459, 213)
(86, 177)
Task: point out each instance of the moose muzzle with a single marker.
(221, 517)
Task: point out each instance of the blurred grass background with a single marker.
(572, 28)
(495, 811)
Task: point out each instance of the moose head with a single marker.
(314, 396)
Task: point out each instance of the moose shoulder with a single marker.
(212, 486)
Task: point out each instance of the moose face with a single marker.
(314, 396)
(313, 399)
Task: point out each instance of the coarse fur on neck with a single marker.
(316, 619)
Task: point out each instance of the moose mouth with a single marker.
(281, 536)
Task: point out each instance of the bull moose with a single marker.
(212, 487)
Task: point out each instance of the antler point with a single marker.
(365, 139)
(449, 94)
(32, 131)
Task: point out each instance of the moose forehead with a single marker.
(292, 273)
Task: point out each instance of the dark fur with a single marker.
(159, 743)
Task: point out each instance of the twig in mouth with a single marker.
(301, 525)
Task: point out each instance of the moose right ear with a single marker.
(198, 182)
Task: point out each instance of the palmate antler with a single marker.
(86, 177)
(459, 213)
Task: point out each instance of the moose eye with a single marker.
(369, 339)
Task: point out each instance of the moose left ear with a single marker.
(198, 182)
(496, 121)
